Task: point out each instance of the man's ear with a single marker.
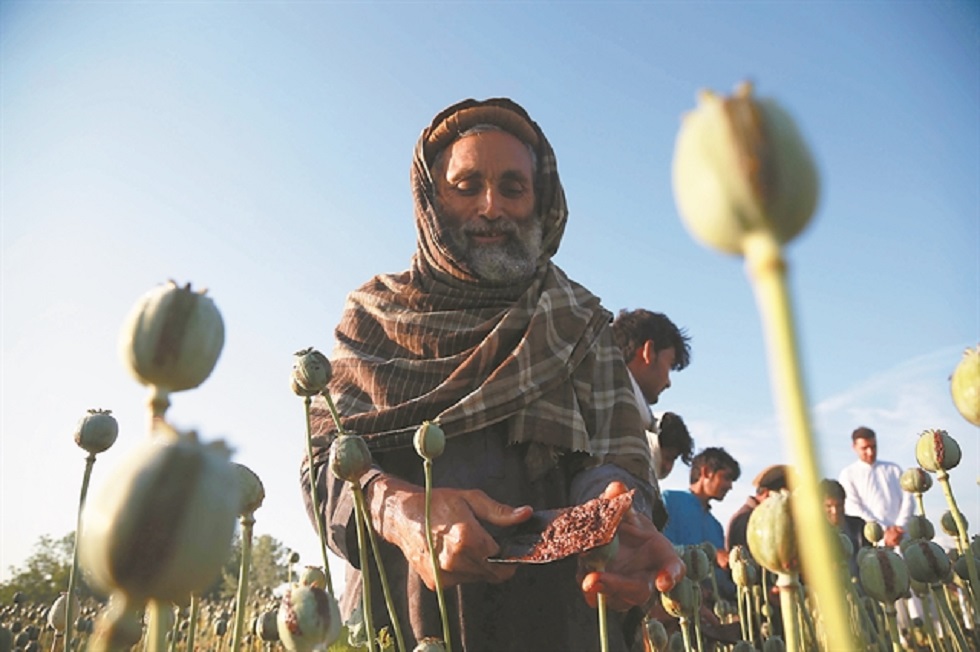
(648, 352)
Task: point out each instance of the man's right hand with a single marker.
(893, 535)
(461, 542)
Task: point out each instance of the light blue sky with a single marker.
(262, 150)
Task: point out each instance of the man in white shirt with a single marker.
(652, 347)
(873, 488)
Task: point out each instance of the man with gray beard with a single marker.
(487, 337)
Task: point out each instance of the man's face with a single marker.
(654, 377)
(718, 483)
(485, 199)
(834, 509)
(866, 449)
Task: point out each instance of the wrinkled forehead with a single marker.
(486, 149)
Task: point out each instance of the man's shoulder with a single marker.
(678, 496)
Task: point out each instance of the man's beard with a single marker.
(509, 262)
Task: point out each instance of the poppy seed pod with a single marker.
(915, 480)
(308, 618)
(770, 534)
(919, 527)
(947, 522)
(962, 568)
(311, 372)
(936, 450)
(172, 338)
(964, 385)
(350, 457)
(927, 562)
(252, 491)
(59, 611)
(683, 600)
(97, 431)
(657, 633)
(696, 562)
(267, 627)
(429, 441)
(741, 167)
(430, 644)
(874, 532)
(163, 528)
(884, 575)
(745, 573)
(313, 576)
(710, 551)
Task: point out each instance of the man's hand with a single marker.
(462, 544)
(893, 536)
(645, 562)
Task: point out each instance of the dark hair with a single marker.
(832, 489)
(862, 433)
(674, 434)
(633, 328)
(714, 459)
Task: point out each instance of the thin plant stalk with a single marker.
(685, 624)
(789, 600)
(318, 517)
(447, 639)
(892, 622)
(742, 598)
(174, 628)
(950, 624)
(603, 623)
(359, 519)
(766, 268)
(761, 612)
(971, 565)
(156, 636)
(920, 502)
(395, 625)
(361, 507)
(698, 637)
(935, 642)
(247, 521)
(86, 476)
(192, 622)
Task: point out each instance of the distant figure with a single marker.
(770, 479)
(672, 441)
(873, 489)
(652, 347)
(689, 517)
(834, 498)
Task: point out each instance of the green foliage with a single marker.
(44, 575)
(267, 570)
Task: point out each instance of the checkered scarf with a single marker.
(432, 343)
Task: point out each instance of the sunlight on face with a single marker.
(866, 449)
(485, 197)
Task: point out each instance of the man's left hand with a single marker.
(646, 561)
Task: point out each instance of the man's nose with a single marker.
(490, 204)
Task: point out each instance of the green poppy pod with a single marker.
(884, 575)
(936, 450)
